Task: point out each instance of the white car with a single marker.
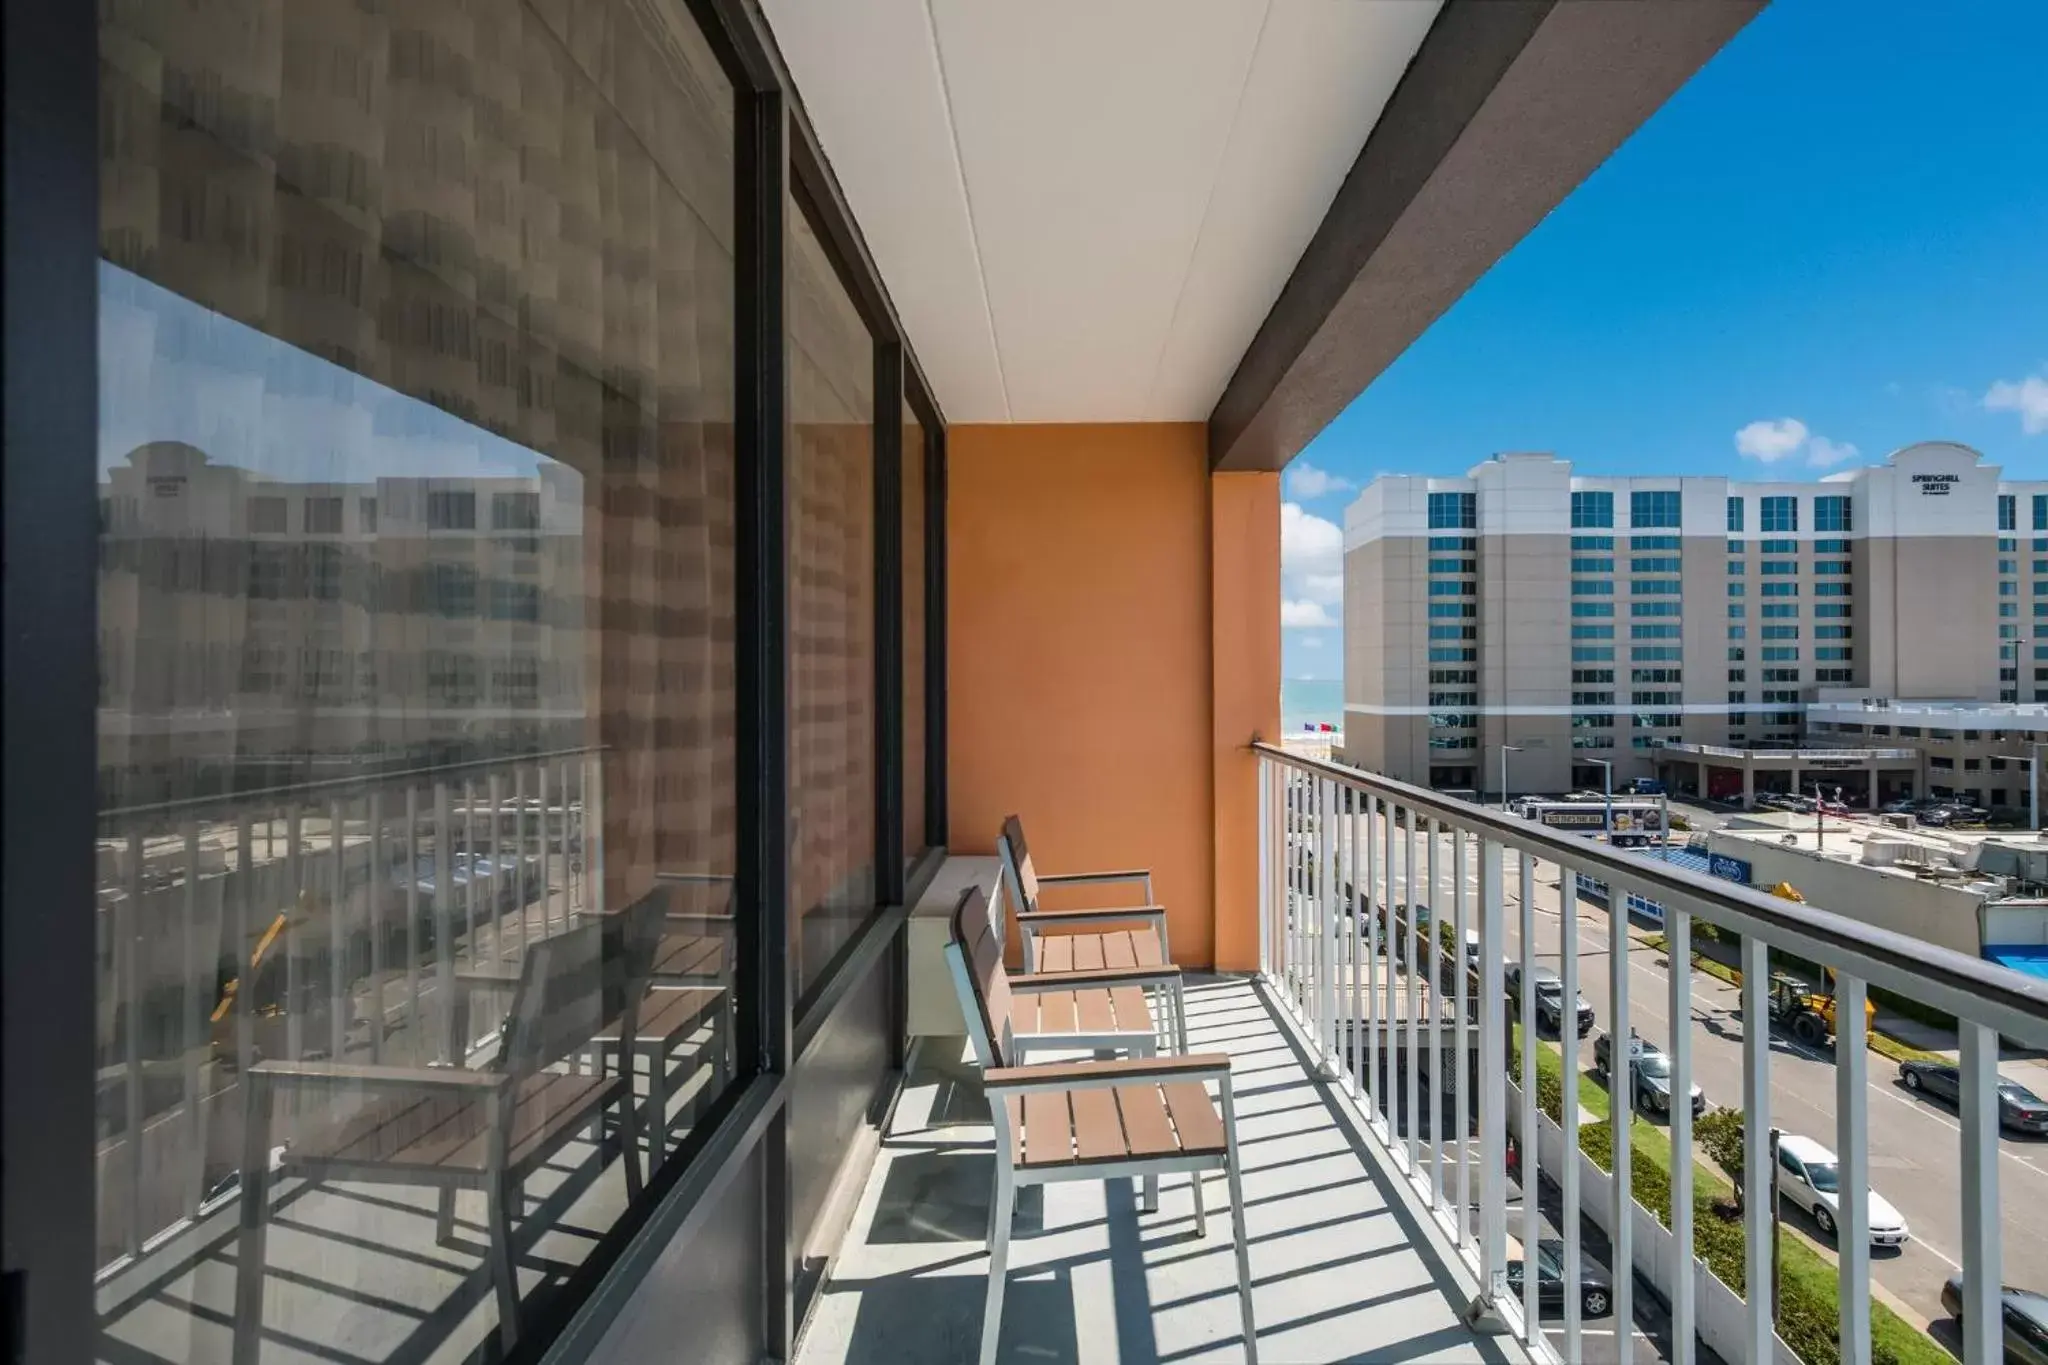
(1808, 1177)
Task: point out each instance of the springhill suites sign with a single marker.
(1936, 485)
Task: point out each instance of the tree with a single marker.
(1719, 1132)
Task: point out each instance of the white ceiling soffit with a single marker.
(1083, 209)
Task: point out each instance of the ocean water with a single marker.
(1310, 701)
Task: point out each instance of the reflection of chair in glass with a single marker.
(1093, 1120)
(691, 986)
(459, 1129)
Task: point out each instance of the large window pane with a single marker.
(914, 823)
(832, 607)
(417, 692)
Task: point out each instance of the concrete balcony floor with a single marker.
(1343, 1269)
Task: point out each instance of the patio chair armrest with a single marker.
(696, 878)
(1120, 1071)
(1135, 874)
(1046, 919)
(1095, 976)
(374, 1076)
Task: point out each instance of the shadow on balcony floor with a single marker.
(1340, 1270)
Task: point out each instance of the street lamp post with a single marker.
(1607, 780)
(1505, 750)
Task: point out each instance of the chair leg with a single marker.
(1239, 1232)
(1201, 1214)
(1001, 1208)
(1147, 1190)
(444, 1216)
(657, 1109)
(1180, 1019)
(629, 1135)
(497, 1212)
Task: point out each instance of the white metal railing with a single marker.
(1344, 853)
(324, 919)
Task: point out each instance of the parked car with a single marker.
(1937, 816)
(2026, 1320)
(1808, 1177)
(1596, 1297)
(2019, 1108)
(1549, 999)
(1905, 805)
(1649, 1080)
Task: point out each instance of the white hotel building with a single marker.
(1576, 618)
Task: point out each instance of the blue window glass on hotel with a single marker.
(2041, 511)
(417, 662)
(2008, 512)
(1648, 510)
(1780, 515)
(1832, 514)
(1592, 510)
(1453, 511)
(1735, 515)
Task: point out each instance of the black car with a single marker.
(2026, 1320)
(1549, 999)
(2019, 1108)
(1649, 1075)
(1596, 1297)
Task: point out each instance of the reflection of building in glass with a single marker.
(256, 632)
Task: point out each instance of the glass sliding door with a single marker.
(832, 606)
(416, 713)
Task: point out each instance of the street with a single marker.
(1913, 1143)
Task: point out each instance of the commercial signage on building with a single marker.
(1732, 869)
(1830, 763)
(1936, 484)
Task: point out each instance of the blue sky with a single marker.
(1837, 230)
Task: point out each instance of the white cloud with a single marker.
(1305, 480)
(1305, 615)
(1311, 567)
(1311, 642)
(1771, 441)
(2028, 397)
(1822, 453)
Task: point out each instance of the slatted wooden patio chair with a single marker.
(454, 1128)
(1085, 939)
(1093, 1120)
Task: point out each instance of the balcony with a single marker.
(1343, 1253)
(1385, 1114)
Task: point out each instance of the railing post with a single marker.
(1983, 1273)
(1412, 1102)
(1375, 866)
(1461, 1086)
(1484, 1313)
(1568, 1107)
(1265, 866)
(1678, 933)
(1432, 953)
(1852, 1151)
(452, 1048)
(1621, 1112)
(1532, 1165)
(1326, 913)
(1757, 1174)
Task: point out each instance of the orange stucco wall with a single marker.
(1084, 672)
